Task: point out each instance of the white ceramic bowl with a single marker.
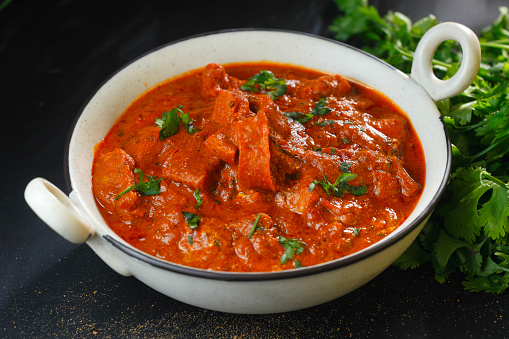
(77, 219)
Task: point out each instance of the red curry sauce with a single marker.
(249, 159)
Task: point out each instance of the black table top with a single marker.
(53, 55)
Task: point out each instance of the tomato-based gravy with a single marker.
(256, 167)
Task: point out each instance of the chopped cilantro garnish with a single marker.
(340, 185)
(319, 110)
(297, 264)
(188, 123)
(291, 246)
(301, 118)
(193, 220)
(199, 199)
(356, 231)
(325, 123)
(150, 187)
(345, 167)
(169, 122)
(255, 225)
(265, 81)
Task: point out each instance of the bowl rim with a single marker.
(260, 276)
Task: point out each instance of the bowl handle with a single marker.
(57, 210)
(422, 71)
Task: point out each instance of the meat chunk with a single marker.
(409, 187)
(113, 173)
(324, 86)
(222, 146)
(298, 197)
(145, 146)
(192, 164)
(254, 154)
(229, 107)
(395, 127)
(214, 78)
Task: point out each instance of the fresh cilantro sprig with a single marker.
(340, 185)
(150, 187)
(188, 123)
(266, 82)
(319, 110)
(192, 219)
(469, 231)
(170, 120)
(292, 247)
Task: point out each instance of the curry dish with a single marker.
(257, 167)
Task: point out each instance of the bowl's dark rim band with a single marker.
(263, 276)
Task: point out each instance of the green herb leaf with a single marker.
(325, 123)
(169, 123)
(193, 220)
(341, 184)
(319, 110)
(469, 231)
(150, 187)
(265, 81)
(301, 118)
(292, 247)
(297, 264)
(199, 199)
(188, 123)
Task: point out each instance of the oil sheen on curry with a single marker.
(257, 167)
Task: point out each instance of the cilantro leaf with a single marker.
(169, 123)
(301, 118)
(292, 247)
(192, 219)
(170, 120)
(325, 123)
(413, 257)
(446, 245)
(463, 218)
(340, 185)
(265, 81)
(319, 110)
(150, 187)
(297, 264)
(469, 230)
(199, 199)
(188, 123)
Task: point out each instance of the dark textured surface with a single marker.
(53, 55)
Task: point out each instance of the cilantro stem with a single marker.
(410, 54)
(495, 180)
(253, 229)
(495, 45)
(487, 149)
